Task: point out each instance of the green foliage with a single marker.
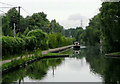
(31, 33)
(38, 21)
(17, 62)
(8, 22)
(57, 40)
(55, 27)
(52, 40)
(115, 53)
(76, 33)
(30, 42)
(69, 52)
(12, 45)
(108, 68)
(110, 26)
(35, 39)
(41, 38)
(23, 25)
(93, 31)
(88, 36)
(26, 31)
(52, 54)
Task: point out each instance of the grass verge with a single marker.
(115, 53)
(17, 62)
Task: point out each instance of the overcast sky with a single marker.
(69, 13)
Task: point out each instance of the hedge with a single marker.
(35, 39)
(12, 45)
(30, 43)
(41, 37)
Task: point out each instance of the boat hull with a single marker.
(76, 47)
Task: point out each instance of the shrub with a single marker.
(30, 42)
(35, 39)
(41, 37)
(12, 45)
(57, 40)
(52, 40)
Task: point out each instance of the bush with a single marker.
(57, 40)
(30, 42)
(52, 40)
(12, 45)
(41, 37)
(35, 39)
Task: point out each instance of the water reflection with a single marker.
(76, 52)
(108, 68)
(85, 65)
(35, 71)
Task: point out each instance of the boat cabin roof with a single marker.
(76, 42)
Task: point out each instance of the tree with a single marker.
(39, 21)
(55, 27)
(93, 31)
(75, 33)
(110, 26)
(9, 20)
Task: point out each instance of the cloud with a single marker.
(76, 17)
(75, 20)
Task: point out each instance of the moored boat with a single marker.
(76, 46)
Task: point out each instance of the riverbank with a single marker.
(115, 54)
(43, 52)
(18, 62)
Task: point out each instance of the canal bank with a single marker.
(27, 62)
(43, 52)
(8, 65)
(113, 55)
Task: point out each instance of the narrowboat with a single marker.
(76, 46)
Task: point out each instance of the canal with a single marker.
(84, 65)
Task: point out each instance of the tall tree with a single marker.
(8, 22)
(93, 31)
(110, 25)
(39, 21)
(55, 27)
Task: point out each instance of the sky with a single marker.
(68, 13)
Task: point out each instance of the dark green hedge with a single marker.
(35, 39)
(41, 37)
(12, 45)
(30, 43)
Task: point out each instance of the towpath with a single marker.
(43, 52)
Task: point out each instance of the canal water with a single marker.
(84, 65)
